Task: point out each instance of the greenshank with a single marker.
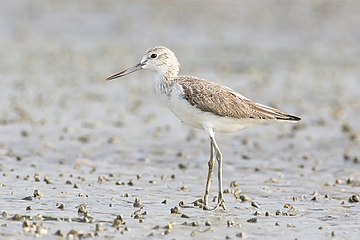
(206, 105)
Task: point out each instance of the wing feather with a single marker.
(225, 102)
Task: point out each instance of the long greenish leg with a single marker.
(208, 180)
(220, 200)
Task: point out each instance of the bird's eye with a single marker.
(154, 55)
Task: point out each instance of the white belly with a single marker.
(196, 118)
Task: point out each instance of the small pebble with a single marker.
(182, 166)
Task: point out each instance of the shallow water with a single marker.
(80, 140)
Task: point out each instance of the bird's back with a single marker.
(222, 101)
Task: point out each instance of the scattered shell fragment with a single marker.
(37, 194)
(289, 225)
(175, 210)
(99, 227)
(184, 216)
(28, 198)
(255, 204)
(38, 217)
(4, 215)
(119, 183)
(47, 180)
(102, 179)
(169, 225)
(182, 166)
(118, 221)
(83, 210)
(131, 182)
(59, 233)
(234, 184)
(60, 206)
(242, 197)
(194, 223)
(37, 177)
(34, 228)
(240, 235)
(354, 199)
(252, 220)
(290, 207)
(230, 223)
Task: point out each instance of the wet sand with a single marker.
(81, 157)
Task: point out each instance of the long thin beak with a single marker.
(127, 71)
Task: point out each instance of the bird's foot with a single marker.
(220, 203)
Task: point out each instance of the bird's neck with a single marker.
(163, 83)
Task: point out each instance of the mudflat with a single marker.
(81, 157)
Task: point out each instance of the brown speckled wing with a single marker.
(225, 102)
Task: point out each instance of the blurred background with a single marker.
(299, 56)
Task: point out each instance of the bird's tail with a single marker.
(273, 113)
